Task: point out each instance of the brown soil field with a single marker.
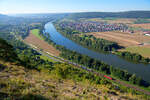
(123, 39)
(32, 39)
(145, 26)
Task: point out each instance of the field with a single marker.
(145, 51)
(36, 33)
(36, 40)
(144, 26)
(124, 39)
(112, 20)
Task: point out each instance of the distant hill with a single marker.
(3, 16)
(39, 15)
(4, 19)
(128, 14)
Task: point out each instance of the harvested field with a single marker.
(124, 39)
(32, 39)
(145, 26)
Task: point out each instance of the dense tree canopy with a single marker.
(133, 57)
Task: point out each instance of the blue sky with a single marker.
(57, 6)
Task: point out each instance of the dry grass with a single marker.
(32, 39)
(145, 26)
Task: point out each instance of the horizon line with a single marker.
(68, 12)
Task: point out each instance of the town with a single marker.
(90, 26)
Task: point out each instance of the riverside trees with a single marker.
(102, 67)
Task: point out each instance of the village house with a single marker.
(147, 33)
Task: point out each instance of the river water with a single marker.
(141, 70)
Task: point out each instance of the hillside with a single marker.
(6, 52)
(2, 16)
(127, 14)
(58, 81)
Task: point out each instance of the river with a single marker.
(141, 70)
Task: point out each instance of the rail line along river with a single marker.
(141, 70)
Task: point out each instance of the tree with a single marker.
(62, 70)
(132, 79)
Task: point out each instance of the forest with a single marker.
(135, 57)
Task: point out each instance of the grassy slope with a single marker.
(36, 33)
(19, 82)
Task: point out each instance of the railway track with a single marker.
(59, 59)
(102, 75)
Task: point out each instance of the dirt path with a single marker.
(32, 39)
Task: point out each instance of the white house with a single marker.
(147, 34)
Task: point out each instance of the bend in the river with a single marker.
(139, 69)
